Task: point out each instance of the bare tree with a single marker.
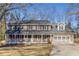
(6, 9)
(69, 13)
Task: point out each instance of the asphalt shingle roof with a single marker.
(31, 22)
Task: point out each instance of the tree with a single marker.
(69, 15)
(6, 9)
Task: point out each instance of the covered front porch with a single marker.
(28, 39)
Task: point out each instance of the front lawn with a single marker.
(32, 50)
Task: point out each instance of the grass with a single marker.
(32, 50)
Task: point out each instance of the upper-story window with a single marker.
(41, 27)
(29, 27)
(61, 26)
(45, 28)
(10, 27)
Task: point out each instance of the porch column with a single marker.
(37, 39)
(71, 39)
(31, 38)
(50, 38)
(24, 39)
(27, 38)
(15, 39)
(41, 38)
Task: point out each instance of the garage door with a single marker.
(62, 39)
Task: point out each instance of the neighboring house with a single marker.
(37, 31)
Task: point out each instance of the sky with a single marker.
(49, 10)
(55, 12)
(42, 10)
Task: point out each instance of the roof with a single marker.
(31, 22)
(36, 21)
(62, 32)
(30, 32)
(38, 32)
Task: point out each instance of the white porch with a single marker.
(28, 39)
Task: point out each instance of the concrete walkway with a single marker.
(65, 50)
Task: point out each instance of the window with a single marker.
(51, 27)
(34, 36)
(34, 27)
(63, 37)
(55, 37)
(24, 27)
(61, 27)
(59, 37)
(29, 36)
(17, 36)
(41, 27)
(12, 36)
(38, 27)
(44, 36)
(29, 27)
(67, 37)
(39, 36)
(25, 36)
(48, 36)
(56, 26)
(10, 27)
(45, 27)
(22, 36)
(21, 27)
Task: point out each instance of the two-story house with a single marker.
(30, 31)
(37, 31)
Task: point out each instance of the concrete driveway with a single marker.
(65, 50)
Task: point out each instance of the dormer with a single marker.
(61, 26)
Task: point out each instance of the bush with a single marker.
(49, 42)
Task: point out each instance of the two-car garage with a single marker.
(62, 38)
